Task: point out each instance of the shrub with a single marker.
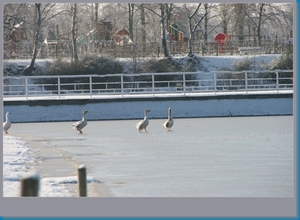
(244, 64)
(86, 65)
(158, 66)
(284, 62)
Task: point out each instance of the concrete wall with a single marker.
(119, 109)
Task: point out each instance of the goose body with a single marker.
(81, 124)
(7, 123)
(170, 121)
(142, 125)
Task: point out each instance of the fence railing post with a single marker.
(153, 84)
(82, 181)
(215, 83)
(30, 185)
(183, 83)
(122, 86)
(26, 87)
(91, 87)
(277, 81)
(246, 82)
(58, 87)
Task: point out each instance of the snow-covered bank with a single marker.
(16, 157)
(207, 64)
(19, 160)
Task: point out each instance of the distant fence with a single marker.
(63, 49)
(147, 83)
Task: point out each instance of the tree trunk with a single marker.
(28, 70)
(239, 21)
(190, 37)
(261, 8)
(130, 19)
(75, 55)
(192, 29)
(163, 27)
(169, 11)
(143, 21)
(206, 23)
(96, 14)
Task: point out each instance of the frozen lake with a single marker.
(201, 157)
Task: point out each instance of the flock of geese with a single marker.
(142, 125)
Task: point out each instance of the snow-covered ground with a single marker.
(18, 157)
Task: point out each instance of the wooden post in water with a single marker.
(82, 181)
(30, 185)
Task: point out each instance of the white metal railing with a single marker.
(147, 83)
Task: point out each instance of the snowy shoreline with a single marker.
(20, 159)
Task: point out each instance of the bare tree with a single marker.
(192, 28)
(13, 15)
(239, 18)
(28, 70)
(43, 13)
(210, 22)
(96, 13)
(74, 33)
(225, 13)
(261, 14)
(169, 11)
(232, 19)
(163, 27)
(206, 22)
(130, 19)
(143, 22)
(163, 17)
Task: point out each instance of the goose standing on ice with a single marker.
(169, 123)
(7, 123)
(142, 125)
(81, 124)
